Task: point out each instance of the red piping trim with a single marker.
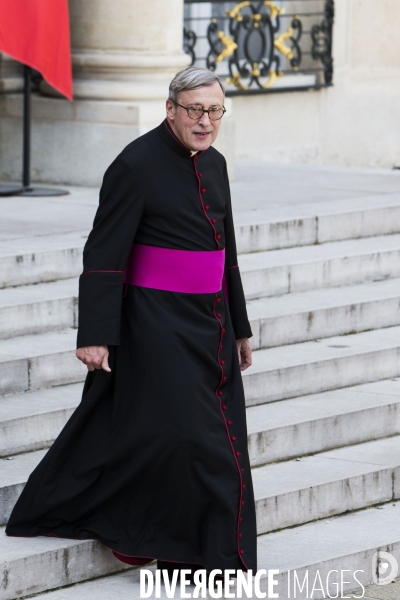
(150, 558)
(228, 434)
(102, 271)
(232, 267)
(202, 204)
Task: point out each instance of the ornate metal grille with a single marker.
(264, 45)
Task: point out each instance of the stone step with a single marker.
(32, 565)
(286, 493)
(14, 472)
(29, 309)
(298, 317)
(345, 544)
(312, 367)
(275, 321)
(32, 420)
(287, 226)
(344, 547)
(48, 359)
(322, 266)
(34, 361)
(41, 258)
(276, 431)
(301, 426)
(330, 483)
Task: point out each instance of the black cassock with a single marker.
(154, 461)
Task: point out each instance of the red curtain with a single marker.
(36, 33)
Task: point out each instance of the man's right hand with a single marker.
(94, 357)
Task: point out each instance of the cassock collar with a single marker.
(172, 141)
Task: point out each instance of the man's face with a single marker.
(200, 134)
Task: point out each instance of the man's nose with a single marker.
(205, 120)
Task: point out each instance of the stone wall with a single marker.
(357, 121)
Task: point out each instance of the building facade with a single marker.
(296, 108)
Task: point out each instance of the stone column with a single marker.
(124, 54)
(126, 49)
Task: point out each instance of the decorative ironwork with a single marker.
(230, 47)
(221, 45)
(189, 42)
(259, 42)
(322, 41)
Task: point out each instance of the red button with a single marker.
(234, 438)
(203, 190)
(224, 378)
(214, 220)
(243, 487)
(242, 552)
(223, 330)
(230, 422)
(218, 237)
(218, 300)
(238, 453)
(218, 314)
(242, 470)
(220, 393)
(240, 519)
(240, 535)
(222, 362)
(207, 207)
(224, 406)
(242, 503)
(200, 174)
(220, 346)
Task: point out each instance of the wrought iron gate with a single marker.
(264, 45)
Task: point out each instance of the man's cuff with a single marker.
(100, 300)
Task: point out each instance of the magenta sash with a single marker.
(193, 272)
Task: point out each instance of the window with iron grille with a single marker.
(259, 46)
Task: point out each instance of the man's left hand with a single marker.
(244, 353)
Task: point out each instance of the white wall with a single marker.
(355, 122)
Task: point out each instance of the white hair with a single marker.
(190, 79)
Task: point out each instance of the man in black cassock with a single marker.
(154, 461)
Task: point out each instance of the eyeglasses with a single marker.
(196, 112)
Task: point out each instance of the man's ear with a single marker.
(170, 106)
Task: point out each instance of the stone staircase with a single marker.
(323, 395)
